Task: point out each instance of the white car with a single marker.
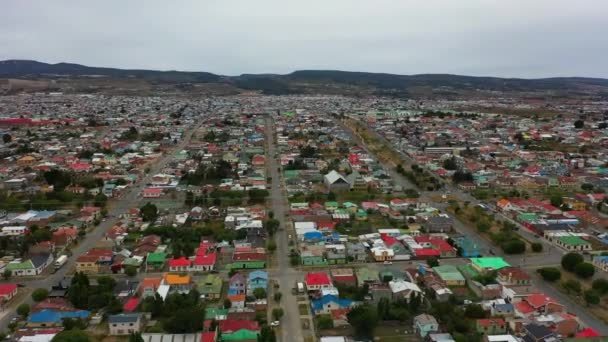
(275, 324)
(388, 263)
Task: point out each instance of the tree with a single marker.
(136, 337)
(364, 319)
(277, 314)
(474, 311)
(7, 274)
(227, 303)
(42, 235)
(38, 295)
(550, 273)
(325, 322)
(258, 196)
(149, 212)
(587, 187)
(572, 285)
(184, 320)
(272, 225)
(450, 163)
(578, 124)
(600, 285)
(432, 262)
(259, 292)
(58, 179)
(7, 138)
(570, 260)
(537, 247)
(584, 270)
(278, 296)
(74, 323)
(71, 336)
(271, 246)
(514, 246)
(483, 226)
(23, 310)
(331, 196)
(591, 297)
(100, 200)
(556, 200)
(130, 271)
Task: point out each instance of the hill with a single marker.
(315, 81)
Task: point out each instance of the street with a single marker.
(291, 329)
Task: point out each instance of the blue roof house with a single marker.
(257, 279)
(51, 318)
(327, 303)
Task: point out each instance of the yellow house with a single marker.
(25, 161)
(87, 264)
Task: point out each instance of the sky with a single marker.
(506, 38)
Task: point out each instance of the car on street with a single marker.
(275, 324)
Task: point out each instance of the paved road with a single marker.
(551, 256)
(117, 209)
(287, 276)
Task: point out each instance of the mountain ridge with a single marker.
(300, 80)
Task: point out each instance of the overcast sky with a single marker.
(510, 38)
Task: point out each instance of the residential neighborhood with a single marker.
(318, 218)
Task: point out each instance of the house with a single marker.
(450, 275)
(438, 224)
(152, 193)
(237, 301)
(344, 276)
(257, 279)
(601, 262)
(491, 326)
(488, 264)
(149, 286)
(237, 284)
(125, 324)
(230, 326)
(7, 292)
(326, 304)
(177, 282)
(513, 276)
(54, 318)
(356, 252)
(210, 286)
(64, 236)
(317, 281)
(537, 333)
(30, 267)
(179, 265)
(467, 247)
(155, 262)
(402, 289)
(92, 261)
(334, 181)
(425, 324)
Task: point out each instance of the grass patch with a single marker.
(303, 309)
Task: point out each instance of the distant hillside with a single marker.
(23, 68)
(311, 81)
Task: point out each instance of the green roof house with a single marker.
(489, 264)
(241, 335)
(156, 261)
(210, 286)
(450, 275)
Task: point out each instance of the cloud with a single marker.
(514, 38)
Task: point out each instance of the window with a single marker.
(130, 324)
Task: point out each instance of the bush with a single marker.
(550, 273)
(572, 285)
(570, 260)
(71, 336)
(600, 286)
(591, 297)
(537, 247)
(584, 270)
(38, 295)
(325, 322)
(515, 246)
(130, 271)
(277, 313)
(23, 310)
